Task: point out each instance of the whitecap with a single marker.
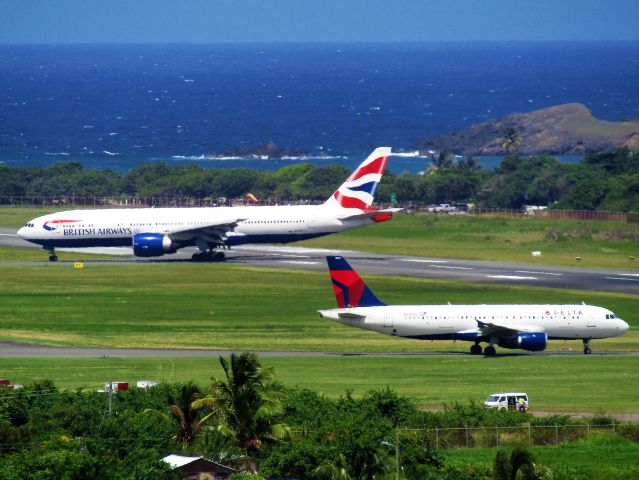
(110, 153)
(57, 154)
(406, 154)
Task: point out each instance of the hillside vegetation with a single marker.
(602, 181)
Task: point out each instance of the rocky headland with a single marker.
(568, 129)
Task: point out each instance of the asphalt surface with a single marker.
(531, 274)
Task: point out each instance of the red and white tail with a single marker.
(358, 191)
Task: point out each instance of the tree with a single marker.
(521, 461)
(246, 402)
(511, 140)
(185, 414)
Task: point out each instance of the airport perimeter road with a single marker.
(597, 279)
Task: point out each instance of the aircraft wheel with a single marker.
(490, 351)
(476, 350)
(219, 257)
(53, 258)
(587, 351)
(198, 257)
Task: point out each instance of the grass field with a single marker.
(226, 306)
(600, 244)
(230, 307)
(601, 457)
(573, 383)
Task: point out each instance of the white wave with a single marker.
(222, 158)
(110, 153)
(57, 154)
(405, 154)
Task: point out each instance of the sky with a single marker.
(213, 21)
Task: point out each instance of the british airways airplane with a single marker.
(155, 232)
(526, 327)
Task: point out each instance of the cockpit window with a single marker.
(29, 225)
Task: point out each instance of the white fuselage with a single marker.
(457, 322)
(255, 224)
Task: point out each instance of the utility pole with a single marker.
(110, 397)
(396, 455)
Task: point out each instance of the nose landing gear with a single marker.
(52, 257)
(587, 350)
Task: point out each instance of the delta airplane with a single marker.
(526, 327)
(154, 232)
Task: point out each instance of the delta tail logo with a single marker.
(350, 290)
(51, 225)
(358, 191)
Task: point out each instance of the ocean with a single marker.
(120, 106)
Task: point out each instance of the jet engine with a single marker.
(532, 341)
(151, 244)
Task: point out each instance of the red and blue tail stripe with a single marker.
(350, 290)
(358, 191)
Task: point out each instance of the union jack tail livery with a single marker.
(358, 191)
(350, 290)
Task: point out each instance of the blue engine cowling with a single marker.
(532, 341)
(151, 244)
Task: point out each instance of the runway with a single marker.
(529, 274)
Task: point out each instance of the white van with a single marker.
(506, 401)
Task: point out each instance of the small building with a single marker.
(146, 384)
(116, 386)
(198, 468)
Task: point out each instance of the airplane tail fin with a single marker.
(350, 290)
(358, 191)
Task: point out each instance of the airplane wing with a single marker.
(213, 233)
(502, 329)
(350, 315)
(374, 213)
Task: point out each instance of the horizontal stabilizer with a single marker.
(361, 216)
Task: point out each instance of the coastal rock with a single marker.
(568, 129)
(267, 151)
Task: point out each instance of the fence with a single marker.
(524, 435)
(410, 207)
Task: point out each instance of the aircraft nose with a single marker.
(21, 232)
(623, 326)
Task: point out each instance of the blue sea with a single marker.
(120, 106)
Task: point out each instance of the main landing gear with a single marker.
(208, 256)
(587, 350)
(488, 351)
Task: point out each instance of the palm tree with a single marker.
(183, 413)
(511, 140)
(247, 402)
(520, 461)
